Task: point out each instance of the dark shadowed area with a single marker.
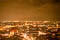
(33, 10)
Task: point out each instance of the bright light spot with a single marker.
(41, 33)
(25, 35)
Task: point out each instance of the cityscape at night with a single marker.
(29, 19)
(29, 30)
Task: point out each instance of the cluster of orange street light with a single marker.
(17, 27)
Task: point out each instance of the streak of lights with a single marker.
(42, 33)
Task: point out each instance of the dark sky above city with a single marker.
(31, 10)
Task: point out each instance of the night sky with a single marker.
(31, 10)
